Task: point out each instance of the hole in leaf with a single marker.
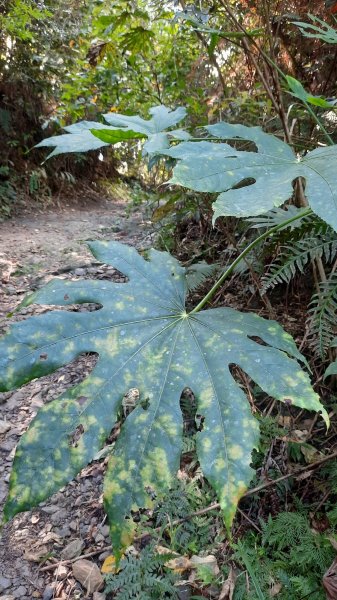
(76, 435)
(129, 402)
(85, 307)
(107, 273)
(151, 492)
(244, 183)
(257, 340)
(145, 403)
(199, 421)
(245, 383)
(188, 406)
(67, 376)
(243, 145)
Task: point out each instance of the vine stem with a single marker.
(319, 123)
(269, 60)
(243, 254)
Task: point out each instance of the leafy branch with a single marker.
(146, 339)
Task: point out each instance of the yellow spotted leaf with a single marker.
(144, 339)
(255, 181)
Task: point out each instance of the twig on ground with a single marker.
(204, 511)
(70, 562)
(245, 516)
(261, 487)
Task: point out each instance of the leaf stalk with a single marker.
(244, 253)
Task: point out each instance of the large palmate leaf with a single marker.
(162, 118)
(144, 339)
(251, 183)
(90, 135)
(82, 140)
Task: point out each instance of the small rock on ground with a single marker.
(88, 575)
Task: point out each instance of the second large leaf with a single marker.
(255, 181)
(145, 339)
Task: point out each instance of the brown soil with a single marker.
(34, 248)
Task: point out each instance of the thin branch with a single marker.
(203, 511)
(261, 487)
(211, 55)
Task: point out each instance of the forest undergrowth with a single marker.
(262, 67)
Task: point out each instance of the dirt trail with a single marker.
(32, 248)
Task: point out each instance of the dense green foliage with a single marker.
(145, 339)
(104, 68)
(143, 577)
(289, 559)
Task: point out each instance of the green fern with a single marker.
(197, 273)
(284, 531)
(313, 239)
(295, 245)
(322, 316)
(296, 545)
(276, 216)
(143, 577)
(288, 553)
(192, 535)
(295, 257)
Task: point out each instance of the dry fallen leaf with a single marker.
(109, 565)
(61, 572)
(88, 574)
(182, 563)
(36, 555)
(228, 587)
(284, 420)
(330, 581)
(206, 561)
(311, 454)
(275, 590)
(4, 426)
(34, 519)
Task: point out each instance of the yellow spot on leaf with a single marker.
(235, 452)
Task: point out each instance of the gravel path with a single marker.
(72, 522)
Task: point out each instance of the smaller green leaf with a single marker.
(161, 118)
(299, 92)
(87, 135)
(113, 136)
(235, 35)
(137, 39)
(323, 31)
(78, 142)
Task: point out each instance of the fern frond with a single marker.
(277, 216)
(143, 577)
(197, 273)
(293, 258)
(286, 530)
(322, 316)
(307, 227)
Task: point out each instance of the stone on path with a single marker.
(4, 426)
(73, 549)
(88, 574)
